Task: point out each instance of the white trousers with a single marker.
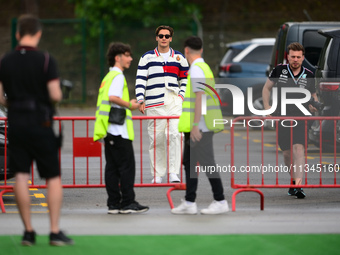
(159, 158)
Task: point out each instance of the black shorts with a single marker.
(299, 135)
(39, 145)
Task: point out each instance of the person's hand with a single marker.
(134, 104)
(195, 134)
(141, 107)
(312, 108)
(268, 115)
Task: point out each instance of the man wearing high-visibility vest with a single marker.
(120, 159)
(197, 122)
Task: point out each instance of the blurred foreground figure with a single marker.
(29, 78)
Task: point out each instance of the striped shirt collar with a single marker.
(172, 52)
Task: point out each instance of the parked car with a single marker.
(244, 65)
(327, 82)
(305, 33)
(2, 149)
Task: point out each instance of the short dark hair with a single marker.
(193, 42)
(295, 46)
(28, 24)
(171, 30)
(116, 48)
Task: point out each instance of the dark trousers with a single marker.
(119, 170)
(200, 152)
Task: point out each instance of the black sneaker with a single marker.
(134, 207)
(114, 209)
(28, 238)
(299, 193)
(291, 192)
(60, 239)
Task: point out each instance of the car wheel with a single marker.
(314, 134)
(329, 146)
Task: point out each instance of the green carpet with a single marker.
(181, 244)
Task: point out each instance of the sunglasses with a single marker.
(161, 36)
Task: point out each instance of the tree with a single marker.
(140, 13)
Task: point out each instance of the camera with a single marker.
(319, 106)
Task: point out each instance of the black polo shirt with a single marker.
(24, 74)
(284, 78)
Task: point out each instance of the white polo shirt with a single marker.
(116, 89)
(197, 74)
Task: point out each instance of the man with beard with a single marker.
(292, 75)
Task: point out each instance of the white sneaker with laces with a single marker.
(158, 180)
(216, 207)
(185, 208)
(173, 178)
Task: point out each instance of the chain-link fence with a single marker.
(82, 60)
(70, 56)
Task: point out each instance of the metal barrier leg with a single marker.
(233, 201)
(2, 205)
(181, 186)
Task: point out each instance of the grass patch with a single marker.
(181, 244)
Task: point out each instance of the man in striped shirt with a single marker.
(160, 87)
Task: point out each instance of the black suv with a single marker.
(327, 82)
(305, 33)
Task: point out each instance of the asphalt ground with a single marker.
(85, 213)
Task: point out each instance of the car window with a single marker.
(230, 54)
(279, 46)
(313, 43)
(260, 54)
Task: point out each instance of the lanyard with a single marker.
(291, 74)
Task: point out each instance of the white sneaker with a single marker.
(185, 208)
(158, 180)
(216, 207)
(173, 178)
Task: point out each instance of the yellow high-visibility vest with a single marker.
(103, 108)
(213, 110)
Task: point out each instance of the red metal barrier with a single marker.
(83, 147)
(263, 167)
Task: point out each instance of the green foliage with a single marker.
(136, 13)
